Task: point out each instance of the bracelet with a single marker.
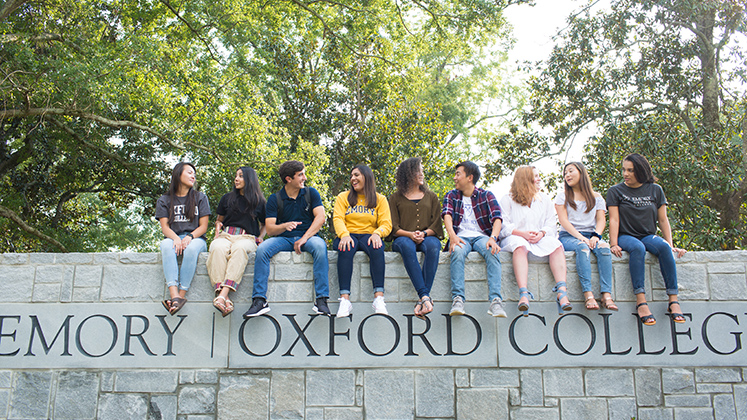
(596, 235)
(190, 235)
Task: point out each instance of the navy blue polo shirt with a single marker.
(294, 210)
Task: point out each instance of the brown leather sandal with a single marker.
(176, 304)
(591, 304)
(609, 304)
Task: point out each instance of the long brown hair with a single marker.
(522, 187)
(406, 175)
(176, 180)
(369, 187)
(584, 184)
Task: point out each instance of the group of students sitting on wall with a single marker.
(522, 222)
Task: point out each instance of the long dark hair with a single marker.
(405, 177)
(252, 194)
(369, 187)
(641, 168)
(176, 180)
(584, 184)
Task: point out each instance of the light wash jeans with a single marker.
(271, 246)
(583, 263)
(457, 266)
(181, 276)
(637, 249)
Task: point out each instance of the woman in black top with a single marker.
(635, 205)
(238, 230)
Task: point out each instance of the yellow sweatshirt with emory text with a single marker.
(360, 219)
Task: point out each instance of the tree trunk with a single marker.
(707, 54)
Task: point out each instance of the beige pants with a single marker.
(228, 258)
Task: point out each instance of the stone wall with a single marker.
(38, 283)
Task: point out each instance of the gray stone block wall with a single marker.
(562, 393)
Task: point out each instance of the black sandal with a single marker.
(646, 319)
(677, 317)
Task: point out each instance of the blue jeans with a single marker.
(583, 264)
(457, 266)
(271, 246)
(422, 278)
(637, 249)
(176, 276)
(345, 262)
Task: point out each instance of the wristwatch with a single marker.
(495, 238)
(596, 235)
(190, 235)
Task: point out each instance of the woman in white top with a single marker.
(529, 226)
(581, 227)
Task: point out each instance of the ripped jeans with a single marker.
(583, 263)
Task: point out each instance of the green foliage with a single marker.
(664, 78)
(100, 99)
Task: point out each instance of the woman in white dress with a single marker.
(529, 226)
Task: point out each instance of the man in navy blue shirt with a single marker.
(293, 220)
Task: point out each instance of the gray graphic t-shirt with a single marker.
(181, 224)
(638, 207)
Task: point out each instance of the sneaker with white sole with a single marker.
(345, 309)
(457, 306)
(259, 307)
(320, 306)
(379, 306)
(496, 308)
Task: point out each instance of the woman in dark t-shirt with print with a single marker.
(183, 213)
(635, 206)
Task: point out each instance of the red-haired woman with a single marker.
(529, 226)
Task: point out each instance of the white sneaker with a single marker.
(345, 309)
(457, 306)
(379, 306)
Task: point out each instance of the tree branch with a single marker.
(433, 15)
(19, 156)
(401, 18)
(10, 214)
(681, 114)
(487, 117)
(119, 124)
(66, 196)
(109, 155)
(209, 100)
(8, 7)
(193, 30)
(333, 34)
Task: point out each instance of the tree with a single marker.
(100, 98)
(664, 78)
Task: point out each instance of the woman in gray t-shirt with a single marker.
(635, 206)
(183, 214)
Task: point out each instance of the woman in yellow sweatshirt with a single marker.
(361, 219)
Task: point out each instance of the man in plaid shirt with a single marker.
(472, 217)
